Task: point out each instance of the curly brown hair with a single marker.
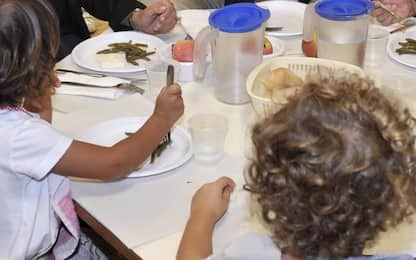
(29, 39)
(333, 168)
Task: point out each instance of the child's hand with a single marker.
(169, 104)
(212, 199)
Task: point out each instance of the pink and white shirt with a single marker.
(37, 217)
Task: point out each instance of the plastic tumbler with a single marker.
(208, 135)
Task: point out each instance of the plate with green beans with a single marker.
(117, 52)
(174, 153)
(402, 47)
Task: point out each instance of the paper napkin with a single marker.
(107, 83)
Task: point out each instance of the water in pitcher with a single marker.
(352, 53)
(233, 66)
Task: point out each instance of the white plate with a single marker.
(110, 132)
(84, 54)
(393, 44)
(287, 14)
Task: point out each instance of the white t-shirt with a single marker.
(260, 246)
(30, 147)
(250, 246)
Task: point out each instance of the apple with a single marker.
(267, 48)
(183, 51)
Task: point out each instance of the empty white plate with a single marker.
(286, 14)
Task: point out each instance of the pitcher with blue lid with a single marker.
(236, 38)
(337, 30)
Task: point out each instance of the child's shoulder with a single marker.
(249, 246)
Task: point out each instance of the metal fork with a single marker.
(179, 23)
(166, 140)
(127, 86)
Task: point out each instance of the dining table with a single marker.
(143, 218)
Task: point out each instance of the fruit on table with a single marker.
(183, 51)
(267, 48)
(309, 48)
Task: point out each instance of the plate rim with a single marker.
(108, 35)
(395, 56)
(141, 120)
(271, 3)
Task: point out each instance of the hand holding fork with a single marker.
(169, 106)
(391, 11)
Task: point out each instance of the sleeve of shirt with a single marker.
(36, 148)
(113, 11)
(250, 246)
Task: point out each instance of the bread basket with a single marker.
(301, 66)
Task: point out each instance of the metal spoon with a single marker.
(273, 28)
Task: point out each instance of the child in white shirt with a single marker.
(37, 217)
(331, 170)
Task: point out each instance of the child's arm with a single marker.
(92, 161)
(208, 205)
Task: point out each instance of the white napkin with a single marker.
(106, 93)
(106, 82)
(194, 20)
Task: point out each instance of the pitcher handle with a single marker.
(202, 41)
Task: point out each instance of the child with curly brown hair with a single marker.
(331, 170)
(38, 220)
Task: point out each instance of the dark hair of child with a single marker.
(29, 39)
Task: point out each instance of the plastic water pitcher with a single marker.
(337, 30)
(236, 37)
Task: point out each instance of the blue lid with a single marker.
(238, 18)
(343, 10)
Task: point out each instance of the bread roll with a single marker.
(281, 83)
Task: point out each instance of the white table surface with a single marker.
(148, 214)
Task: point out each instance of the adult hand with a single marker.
(160, 17)
(43, 104)
(212, 199)
(169, 104)
(403, 8)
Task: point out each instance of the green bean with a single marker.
(160, 148)
(406, 51)
(407, 47)
(133, 51)
(411, 40)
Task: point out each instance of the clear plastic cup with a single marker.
(375, 53)
(208, 135)
(156, 71)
